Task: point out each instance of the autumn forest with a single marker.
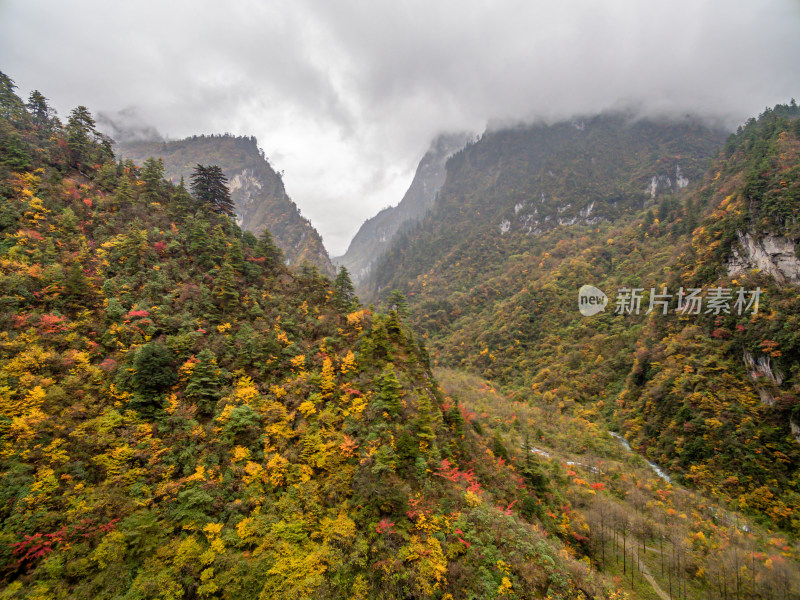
(191, 408)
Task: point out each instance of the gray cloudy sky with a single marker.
(346, 95)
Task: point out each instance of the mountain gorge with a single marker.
(376, 235)
(258, 192)
(184, 415)
(528, 216)
(515, 184)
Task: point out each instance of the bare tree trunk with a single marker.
(669, 570)
(669, 574)
(736, 569)
(603, 534)
(624, 550)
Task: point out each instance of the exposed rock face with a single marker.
(795, 430)
(761, 370)
(771, 254)
(246, 185)
(376, 234)
(524, 181)
(258, 193)
(762, 367)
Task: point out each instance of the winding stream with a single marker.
(656, 469)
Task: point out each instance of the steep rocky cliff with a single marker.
(377, 233)
(514, 185)
(257, 190)
(773, 254)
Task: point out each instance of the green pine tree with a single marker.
(124, 193)
(11, 107)
(398, 303)
(153, 177)
(205, 382)
(76, 286)
(84, 143)
(269, 250)
(236, 255)
(108, 177)
(40, 111)
(389, 389)
(153, 373)
(225, 286)
(346, 299)
(210, 187)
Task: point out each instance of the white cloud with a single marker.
(345, 95)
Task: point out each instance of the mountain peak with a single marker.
(377, 233)
(258, 192)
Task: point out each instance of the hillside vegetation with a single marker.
(181, 416)
(712, 397)
(258, 192)
(184, 416)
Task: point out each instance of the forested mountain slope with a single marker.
(716, 396)
(181, 416)
(492, 278)
(513, 185)
(376, 234)
(257, 190)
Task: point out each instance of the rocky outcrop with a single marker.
(761, 371)
(377, 233)
(795, 429)
(771, 254)
(257, 190)
(762, 368)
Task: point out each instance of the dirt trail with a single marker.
(646, 572)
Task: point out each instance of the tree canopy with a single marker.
(210, 186)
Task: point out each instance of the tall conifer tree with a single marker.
(210, 186)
